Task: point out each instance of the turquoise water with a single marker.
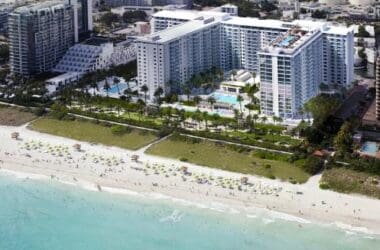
(38, 214)
(370, 147)
(115, 88)
(231, 99)
(286, 41)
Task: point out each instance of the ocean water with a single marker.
(44, 214)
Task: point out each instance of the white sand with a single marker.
(111, 169)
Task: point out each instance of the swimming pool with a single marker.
(286, 41)
(231, 99)
(369, 147)
(116, 88)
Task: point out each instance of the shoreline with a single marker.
(304, 203)
(267, 214)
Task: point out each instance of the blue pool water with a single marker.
(42, 214)
(286, 41)
(115, 88)
(231, 99)
(370, 147)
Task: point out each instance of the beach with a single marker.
(109, 169)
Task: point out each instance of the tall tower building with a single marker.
(39, 35)
(377, 83)
(82, 18)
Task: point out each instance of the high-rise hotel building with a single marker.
(39, 35)
(292, 58)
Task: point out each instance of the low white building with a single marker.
(53, 84)
(84, 58)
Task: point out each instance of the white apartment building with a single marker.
(171, 57)
(289, 76)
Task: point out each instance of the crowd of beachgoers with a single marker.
(105, 168)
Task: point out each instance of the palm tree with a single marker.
(205, 117)
(145, 89)
(197, 99)
(264, 119)
(187, 92)
(141, 107)
(157, 94)
(255, 117)
(237, 117)
(239, 99)
(106, 87)
(116, 82)
(212, 101)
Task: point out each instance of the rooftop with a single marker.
(180, 30)
(30, 9)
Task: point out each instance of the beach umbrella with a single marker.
(77, 147)
(15, 135)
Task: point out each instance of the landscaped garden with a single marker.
(230, 158)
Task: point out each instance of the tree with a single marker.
(197, 99)
(362, 32)
(144, 89)
(134, 16)
(312, 165)
(157, 94)
(255, 117)
(319, 14)
(268, 6)
(106, 87)
(211, 100)
(116, 82)
(264, 119)
(205, 117)
(321, 107)
(109, 18)
(239, 99)
(187, 92)
(4, 52)
(343, 140)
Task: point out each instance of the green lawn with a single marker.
(91, 132)
(349, 181)
(225, 157)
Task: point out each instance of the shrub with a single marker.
(120, 130)
(183, 159)
(312, 165)
(58, 111)
(164, 131)
(271, 176)
(324, 186)
(39, 111)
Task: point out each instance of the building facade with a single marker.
(95, 54)
(290, 71)
(377, 83)
(39, 35)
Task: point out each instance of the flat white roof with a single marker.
(255, 22)
(180, 30)
(178, 14)
(63, 77)
(196, 24)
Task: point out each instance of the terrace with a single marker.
(289, 39)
